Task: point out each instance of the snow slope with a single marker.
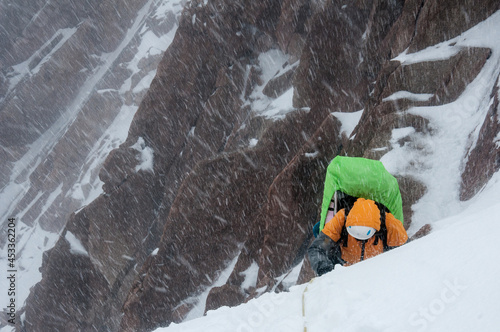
(445, 281)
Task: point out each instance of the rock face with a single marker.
(221, 172)
(484, 158)
(69, 74)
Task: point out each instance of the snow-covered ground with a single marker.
(445, 281)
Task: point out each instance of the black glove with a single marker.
(323, 268)
(320, 254)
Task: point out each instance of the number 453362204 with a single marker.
(11, 242)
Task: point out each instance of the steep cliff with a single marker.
(72, 77)
(221, 172)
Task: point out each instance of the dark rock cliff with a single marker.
(67, 69)
(211, 196)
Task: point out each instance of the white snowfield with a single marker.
(446, 281)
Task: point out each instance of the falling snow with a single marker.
(457, 286)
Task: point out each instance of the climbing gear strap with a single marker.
(382, 233)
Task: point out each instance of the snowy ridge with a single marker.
(409, 95)
(349, 121)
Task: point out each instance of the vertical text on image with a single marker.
(11, 271)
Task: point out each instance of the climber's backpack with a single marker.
(353, 177)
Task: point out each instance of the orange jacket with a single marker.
(353, 253)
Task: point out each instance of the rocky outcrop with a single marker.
(447, 21)
(207, 179)
(68, 75)
(91, 29)
(484, 158)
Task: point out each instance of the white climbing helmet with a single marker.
(361, 232)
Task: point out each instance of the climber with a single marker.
(352, 235)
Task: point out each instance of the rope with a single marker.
(304, 304)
